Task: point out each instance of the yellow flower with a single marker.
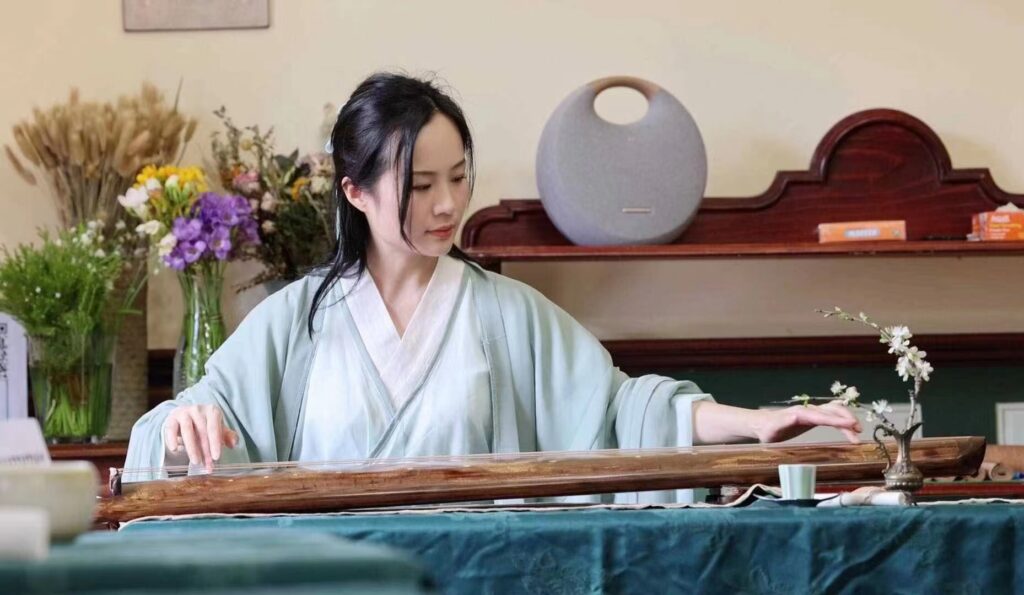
(194, 176)
(147, 172)
(297, 187)
(185, 175)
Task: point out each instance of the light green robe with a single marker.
(553, 386)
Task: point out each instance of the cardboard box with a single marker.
(862, 231)
(998, 226)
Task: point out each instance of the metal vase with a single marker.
(901, 474)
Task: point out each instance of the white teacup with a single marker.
(66, 490)
(797, 481)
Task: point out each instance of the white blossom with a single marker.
(269, 203)
(153, 184)
(134, 200)
(899, 338)
(120, 225)
(167, 244)
(838, 388)
(319, 185)
(904, 367)
(850, 395)
(148, 228)
(916, 354)
(99, 253)
(924, 370)
(172, 182)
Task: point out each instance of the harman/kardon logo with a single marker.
(637, 210)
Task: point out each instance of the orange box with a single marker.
(998, 226)
(862, 231)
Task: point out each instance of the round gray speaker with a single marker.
(603, 183)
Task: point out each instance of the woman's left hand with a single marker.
(782, 424)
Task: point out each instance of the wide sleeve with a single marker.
(581, 400)
(243, 377)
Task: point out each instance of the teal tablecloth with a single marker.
(947, 549)
(254, 562)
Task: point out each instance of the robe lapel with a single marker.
(416, 352)
(402, 363)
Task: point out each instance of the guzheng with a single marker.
(340, 485)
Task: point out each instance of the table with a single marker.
(758, 549)
(257, 560)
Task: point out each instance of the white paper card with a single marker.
(13, 369)
(21, 441)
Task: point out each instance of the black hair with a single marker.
(376, 131)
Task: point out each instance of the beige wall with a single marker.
(764, 81)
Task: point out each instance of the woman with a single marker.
(398, 347)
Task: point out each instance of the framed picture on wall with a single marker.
(191, 15)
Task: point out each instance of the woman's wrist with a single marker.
(714, 423)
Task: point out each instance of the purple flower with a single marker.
(192, 251)
(218, 226)
(251, 232)
(186, 230)
(175, 260)
(220, 242)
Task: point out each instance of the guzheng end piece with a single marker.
(334, 486)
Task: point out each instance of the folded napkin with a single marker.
(866, 496)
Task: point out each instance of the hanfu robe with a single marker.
(486, 365)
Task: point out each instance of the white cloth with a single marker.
(373, 393)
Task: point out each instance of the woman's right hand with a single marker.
(200, 429)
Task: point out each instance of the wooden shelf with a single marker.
(492, 254)
(877, 164)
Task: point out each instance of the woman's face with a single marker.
(437, 201)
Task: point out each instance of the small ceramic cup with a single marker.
(797, 481)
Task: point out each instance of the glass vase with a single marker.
(71, 385)
(202, 330)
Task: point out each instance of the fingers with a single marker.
(201, 430)
(835, 416)
(839, 418)
(172, 431)
(188, 436)
(198, 416)
(214, 431)
(846, 412)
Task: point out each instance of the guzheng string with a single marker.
(451, 460)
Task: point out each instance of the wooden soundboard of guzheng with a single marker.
(334, 486)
